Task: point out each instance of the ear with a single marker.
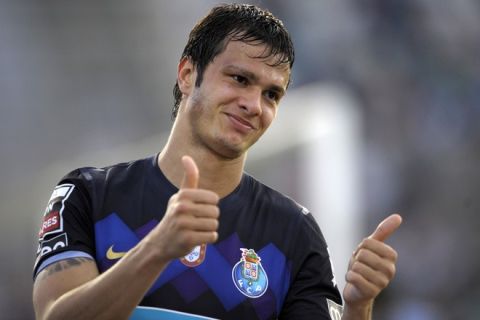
(185, 76)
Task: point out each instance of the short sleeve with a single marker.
(66, 224)
(313, 293)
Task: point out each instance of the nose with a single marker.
(251, 101)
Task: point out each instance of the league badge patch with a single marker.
(57, 242)
(52, 218)
(249, 276)
(195, 257)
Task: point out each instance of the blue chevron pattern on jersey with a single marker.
(215, 271)
(112, 231)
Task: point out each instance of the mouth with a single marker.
(240, 123)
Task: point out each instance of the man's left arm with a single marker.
(370, 270)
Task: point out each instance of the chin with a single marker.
(229, 151)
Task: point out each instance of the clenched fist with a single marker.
(191, 218)
(372, 266)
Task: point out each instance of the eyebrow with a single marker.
(252, 76)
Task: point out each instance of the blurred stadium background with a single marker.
(89, 83)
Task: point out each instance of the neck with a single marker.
(217, 174)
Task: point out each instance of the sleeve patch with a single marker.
(52, 221)
(53, 244)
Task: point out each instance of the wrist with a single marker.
(148, 255)
(360, 311)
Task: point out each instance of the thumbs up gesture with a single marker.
(191, 217)
(371, 267)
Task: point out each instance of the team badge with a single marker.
(249, 276)
(195, 257)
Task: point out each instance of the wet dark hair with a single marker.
(234, 22)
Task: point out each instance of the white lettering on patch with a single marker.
(53, 244)
(52, 218)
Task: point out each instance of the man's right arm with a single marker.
(74, 289)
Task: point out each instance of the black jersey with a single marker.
(270, 261)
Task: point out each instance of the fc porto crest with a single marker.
(195, 257)
(249, 276)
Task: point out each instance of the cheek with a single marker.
(268, 116)
(199, 104)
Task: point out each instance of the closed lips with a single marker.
(241, 120)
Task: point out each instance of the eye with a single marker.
(272, 95)
(240, 79)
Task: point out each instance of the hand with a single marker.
(372, 265)
(191, 217)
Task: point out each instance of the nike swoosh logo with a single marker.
(112, 255)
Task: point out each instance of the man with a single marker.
(187, 234)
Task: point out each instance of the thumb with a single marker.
(387, 227)
(191, 175)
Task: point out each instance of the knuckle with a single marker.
(372, 291)
(356, 266)
(182, 194)
(173, 199)
(363, 245)
(216, 212)
(362, 255)
(214, 224)
(391, 270)
(384, 282)
(180, 223)
(365, 242)
(394, 256)
(370, 243)
(182, 206)
(350, 276)
(214, 236)
(215, 198)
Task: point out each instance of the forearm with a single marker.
(113, 294)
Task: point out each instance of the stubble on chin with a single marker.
(207, 131)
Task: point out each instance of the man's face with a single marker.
(237, 99)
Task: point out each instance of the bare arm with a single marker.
(74, 289)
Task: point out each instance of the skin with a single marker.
(370, 270)
(218, 121)
(204, 157)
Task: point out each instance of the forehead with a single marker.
(254, 58)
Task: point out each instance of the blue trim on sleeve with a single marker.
(62, 256)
